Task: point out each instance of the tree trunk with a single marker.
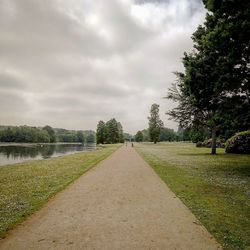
(213, 146)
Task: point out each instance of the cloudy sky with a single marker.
(72, 63)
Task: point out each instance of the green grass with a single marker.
(25, 187)
(215, 188)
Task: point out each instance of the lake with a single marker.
(11, 153)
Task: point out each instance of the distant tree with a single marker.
(112, 131)
(51, 133)
(139, 136)
(155, 123)
(64, 135)
(80, 136)
(109, 132)
(168, 134)
(90, 138)
(24, 134)
(101, 132)
(42, 136)
(120, 131)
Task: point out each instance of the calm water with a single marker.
(14, 153)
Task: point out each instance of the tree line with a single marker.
(166, 134)
(213, 91)
(109, 132)
(47, 134)
(156, 130)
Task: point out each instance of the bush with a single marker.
(239, 143)
(199, 144)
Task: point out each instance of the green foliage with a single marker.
(101, 132)
(155, 123)
(47, 134)
(112, 131)
(193, 134)
(214, 89)
(168, 134)
(80, 136)
(71, 136)
(239, 143)
(91, 138)
(109, 132)
(120, 131)
(51, 132)
(24, 134)
(139, 136)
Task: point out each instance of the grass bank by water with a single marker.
(215, 188)
(25, 187)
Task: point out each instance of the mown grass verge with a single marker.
(215, 188)
(25, 187)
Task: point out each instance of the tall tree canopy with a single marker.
(155, 123)
(109, 132)
(101, 132)
(51, 133)
(214, 89)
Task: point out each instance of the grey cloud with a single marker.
(62, 68)
(8, 81)
(10, 102)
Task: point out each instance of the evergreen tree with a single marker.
(112, 131)
(155, 123)
(101, 133)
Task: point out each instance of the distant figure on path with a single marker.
(132, 144)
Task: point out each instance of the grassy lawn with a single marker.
(215, 188)
(25, 187)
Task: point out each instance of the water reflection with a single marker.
(14, 153)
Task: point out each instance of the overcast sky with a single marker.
(72, 63)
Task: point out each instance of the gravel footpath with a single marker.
(119, 204)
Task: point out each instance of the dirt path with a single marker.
(120, 204)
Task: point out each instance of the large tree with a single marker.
(112, 128)
(155, 123)
(51, 133)
(214, 89)
(101, 132)
(109, 132)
